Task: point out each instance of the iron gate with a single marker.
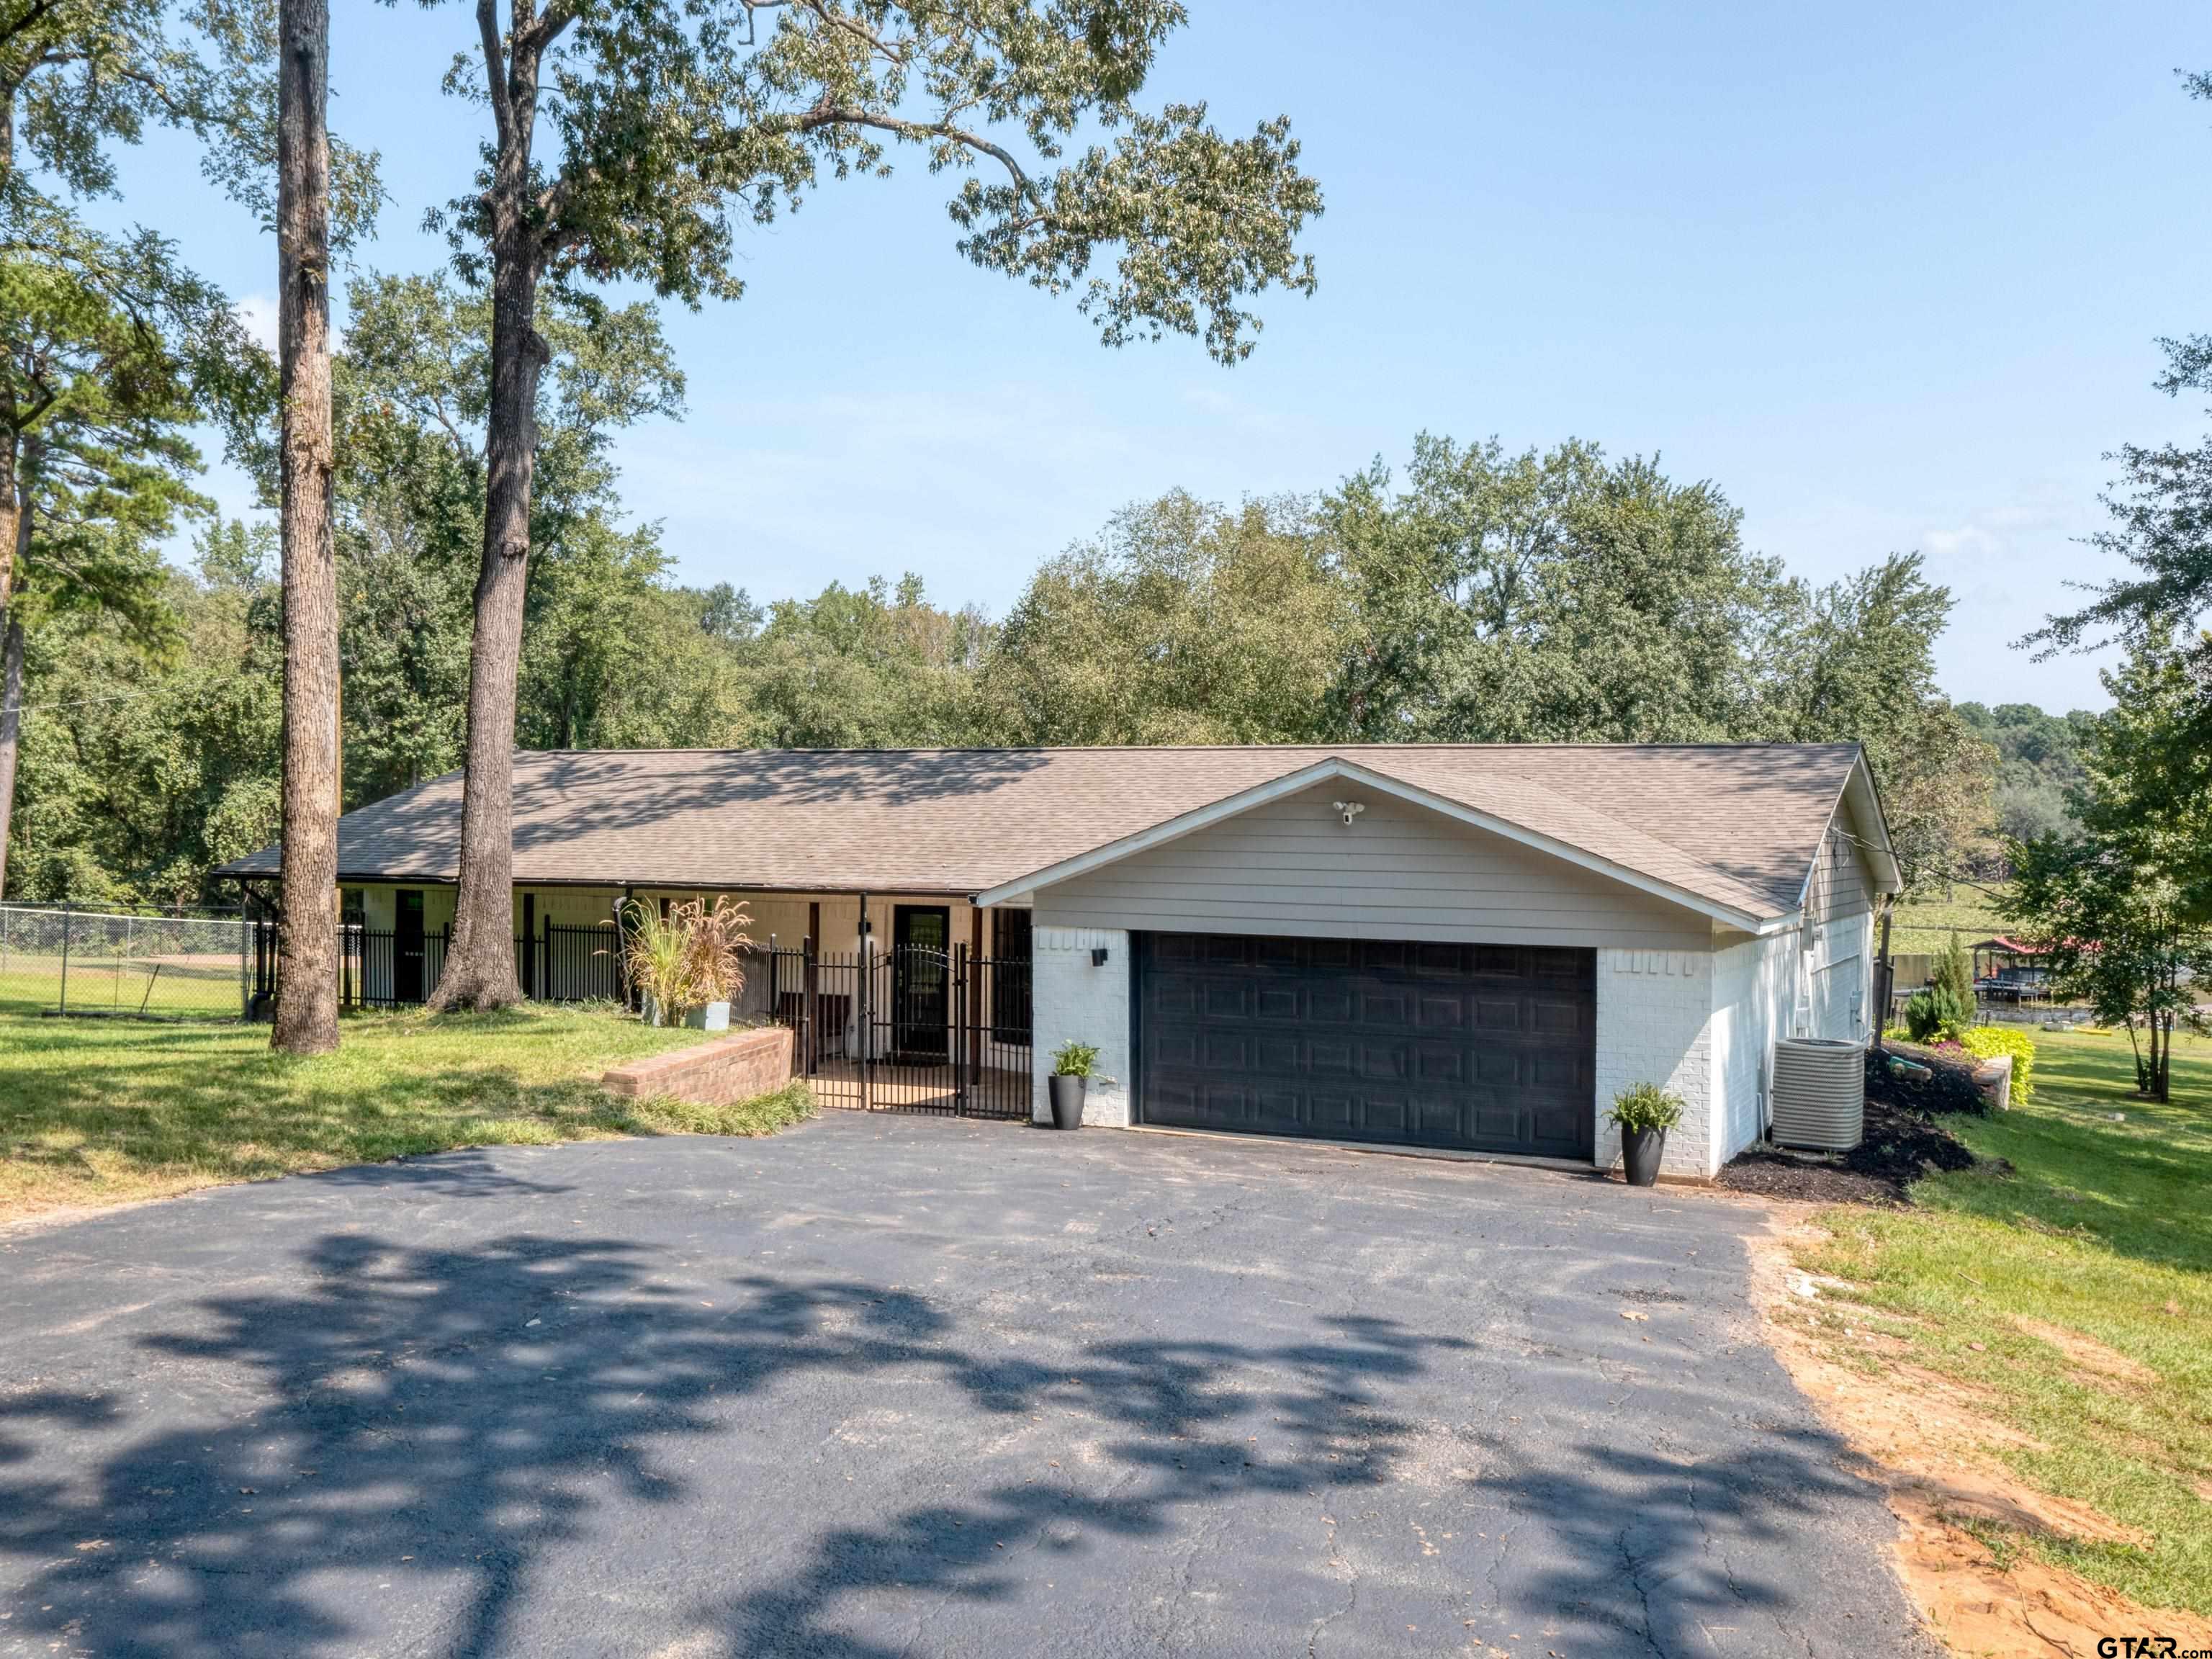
(912, 1028)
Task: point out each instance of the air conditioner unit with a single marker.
(1820, 1094)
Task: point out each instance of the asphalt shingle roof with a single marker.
(1737, 824)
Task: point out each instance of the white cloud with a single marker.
(257, 315)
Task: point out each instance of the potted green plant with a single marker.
(1073, 1065)
(657, 957)
(1643, 1114)
(688, 963)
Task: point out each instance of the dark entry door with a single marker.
(922, 979)
(1476, 1047)
(407, 945)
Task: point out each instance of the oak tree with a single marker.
(94, 407)
(674, 122)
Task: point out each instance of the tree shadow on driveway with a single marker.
(422, 1411)
(390, 1457)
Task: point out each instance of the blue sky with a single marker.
(1890, 276)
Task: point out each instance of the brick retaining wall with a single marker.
(722, 1072)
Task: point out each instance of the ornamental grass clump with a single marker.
(688, 958)
(717, 944)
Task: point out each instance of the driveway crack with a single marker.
(1338, 1560)
(1642, 1593)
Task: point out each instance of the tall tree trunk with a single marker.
(479, 971)
(14, 537)
(307, 1001)
(11, 728)
(11, 654)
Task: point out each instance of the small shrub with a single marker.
(1987, 1041)
(1646, 1106)
(1954, 972)
(1076, 1060)
(1936, 1013)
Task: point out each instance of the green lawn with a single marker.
(2103, 1229)
(199, 987)
(101, 1111)
(1927, 926)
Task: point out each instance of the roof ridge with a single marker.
(1216, 748)
(1635, 832)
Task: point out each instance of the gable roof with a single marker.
(1731, 827)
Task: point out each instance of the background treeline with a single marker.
(1475, 594)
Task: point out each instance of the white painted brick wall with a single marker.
(1072, 1001)
(1755, 989)
(1654, 1025)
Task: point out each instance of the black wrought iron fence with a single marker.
(124, 961)
(909, 1029)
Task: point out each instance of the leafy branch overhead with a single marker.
(77, 76)
(673, 123)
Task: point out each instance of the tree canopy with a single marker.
(1559, 595)
(2122, 904)
(1335, 616)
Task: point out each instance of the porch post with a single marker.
(868, 1017)
(977, 999)
(811, 989)
(810, 1005)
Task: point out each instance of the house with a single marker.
(1468, 947)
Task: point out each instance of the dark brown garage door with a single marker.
(1480, 1046)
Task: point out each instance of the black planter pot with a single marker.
(1066, 1100)
(1640, 1152)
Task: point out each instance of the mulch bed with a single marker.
(1903, 1142)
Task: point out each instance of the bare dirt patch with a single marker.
(2086, 1353)
(1931, 1443)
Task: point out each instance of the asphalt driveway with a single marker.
(886, 1386)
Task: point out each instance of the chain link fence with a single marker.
(118, 962)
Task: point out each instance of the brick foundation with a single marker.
(722, 1072)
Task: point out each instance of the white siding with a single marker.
(1293, 867)
(1842, 883)
(1839, 972)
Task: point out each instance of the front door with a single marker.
(407, 945)
(922, 980)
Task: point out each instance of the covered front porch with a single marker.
(912, 1001)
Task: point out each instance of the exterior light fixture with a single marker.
(1349, 809)
(1098, 955)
